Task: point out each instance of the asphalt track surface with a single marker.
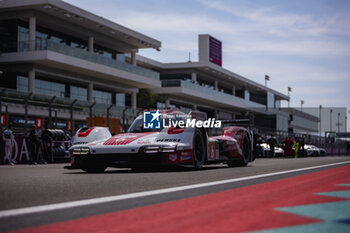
(42, 185)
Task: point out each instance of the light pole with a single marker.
(330, 126)
(338, 122)
(319, 116)
(267, 78)
(301, 104)
(289, 90)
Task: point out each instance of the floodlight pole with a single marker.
(330, 126)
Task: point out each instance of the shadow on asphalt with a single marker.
(154, 170)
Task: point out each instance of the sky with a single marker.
(301, 44)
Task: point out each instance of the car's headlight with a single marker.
(156, 149)
(151, 149)
(168, 148)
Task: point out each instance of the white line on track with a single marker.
(100, 200)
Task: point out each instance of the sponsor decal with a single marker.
(143, 142)
(169, 140)
(213, 151)
(39, 123)
(185, 158)
(173, 157)
(185, 155)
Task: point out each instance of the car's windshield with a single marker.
(137, 127)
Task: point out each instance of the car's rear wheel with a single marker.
(198, 150)
(246, 150)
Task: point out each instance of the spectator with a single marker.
(8, 138)
(41, 153)
(272, 143)
(288, 147)
(257, 147)
(33, 144)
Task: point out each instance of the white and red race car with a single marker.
(94, 149)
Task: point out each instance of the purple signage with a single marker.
(215, 51)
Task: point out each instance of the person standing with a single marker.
(288, 147)
(296, 147)
(272, 143)
(301, 147)
(33, 144)
(8, 138)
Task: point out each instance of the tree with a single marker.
(146, 98)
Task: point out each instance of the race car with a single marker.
(265, 150)
(94, 150)
(312, 150)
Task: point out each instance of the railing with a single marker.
(24, 46)
(205, 90)
(99, 109)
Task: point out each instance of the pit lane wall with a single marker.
(21, 152)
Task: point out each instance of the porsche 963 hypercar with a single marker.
(95, 149)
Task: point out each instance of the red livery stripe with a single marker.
(123, 139)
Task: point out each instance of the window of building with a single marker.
(160, 105)
(43, 35)
(79, 93)
(121, 57)
(185, 109)
(42, 87)
(49, 88)
(120, 99)
(258, 97)
(102, 97)
(270, 100)
(240, 93)
(23, 34)
(22, 83)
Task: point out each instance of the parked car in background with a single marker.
(312, 150)
(264, 150)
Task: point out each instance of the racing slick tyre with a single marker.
(198, 149)
(246, 150)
